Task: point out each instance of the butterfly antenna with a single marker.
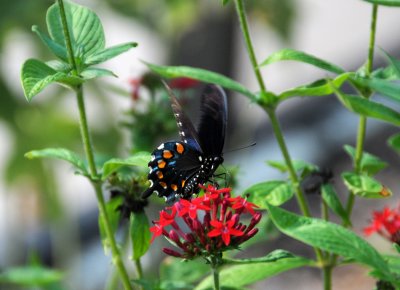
(240, 148)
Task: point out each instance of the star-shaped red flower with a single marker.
(225, 230)
(191, 207)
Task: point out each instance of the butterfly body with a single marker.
(178, 167)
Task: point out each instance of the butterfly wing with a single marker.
(213, 120)
(186, 129)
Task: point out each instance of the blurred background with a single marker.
(46, 209)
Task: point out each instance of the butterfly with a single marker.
(178, 167)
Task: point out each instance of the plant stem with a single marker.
(292, 172)
(139, 269)
(245, 29)
(68, 43)
(362, 125)
(327, 273)
(90, 157)
(216, 276)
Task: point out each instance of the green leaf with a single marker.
(56, 48)
(368, 108)
(275, 192)
(201, 75)
(224, 2)
(241, 275)
(59, 153)
(328, 237)
(177, 270)
(271, 257)
(394, 142)
(85, 29)
(396, 247)
(298, 165)
(318, 88)
(370, 164)
(138, 159)
(91, 73)
(395, 3)
(291, 54)
(108, 53)
(387, 88)
(140, 234)
(394, 63)
(332, 200)
(59, 65)
(30, 276)
(365, 186)
(36, 75)
(114, 216)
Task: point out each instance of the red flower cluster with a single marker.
(212, 224)
(386, 223)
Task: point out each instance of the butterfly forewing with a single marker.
(213, 120)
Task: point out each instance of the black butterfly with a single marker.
(177, 168)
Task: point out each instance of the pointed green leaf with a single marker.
(365, 186)
(275, 192)
(394, 3)
(59, 153)
(85, 29)
(271, 257)
(394, 63)
(59, 65)
(91, 73)
(370, 164)
(241, 275)
(318, 88)
(332, 200)
(36, 75)
(56, 48)
(114, 216)
(201, 75)
(298, 165)
(138, 159)
(394, 142)
(108, 53)
(369, 108)
(328, 237)
(291, 54)
(30, 276)
(140, 234)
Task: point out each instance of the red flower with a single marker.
(225, 230)
(386, 223)
(183, 83)
(212, 224)
(191, 207)
(135, 86)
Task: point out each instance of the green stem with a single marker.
(139, 269)
(327, 274)
(68, 43)
(245, 29)
(90, 156)
(215, 273)
(372, 37)
(325, 211)
(292, 172)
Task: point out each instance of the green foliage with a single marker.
(394, 142)
(201, 75)
(332, 200)
(87, 39)
(299, 165)
(256, 270)
(140, 234)
(370, 164)
(275, 192)
(295, 55)
(34, 275)
(329, 237)
(138, 159)
(365, 186)
(59, 153)
(189, 271)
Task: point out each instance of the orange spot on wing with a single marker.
(167, 154)
(180, 148)
(161, 163)
(174, 187)
(163, 184)
(183, 182)
(160, 175)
